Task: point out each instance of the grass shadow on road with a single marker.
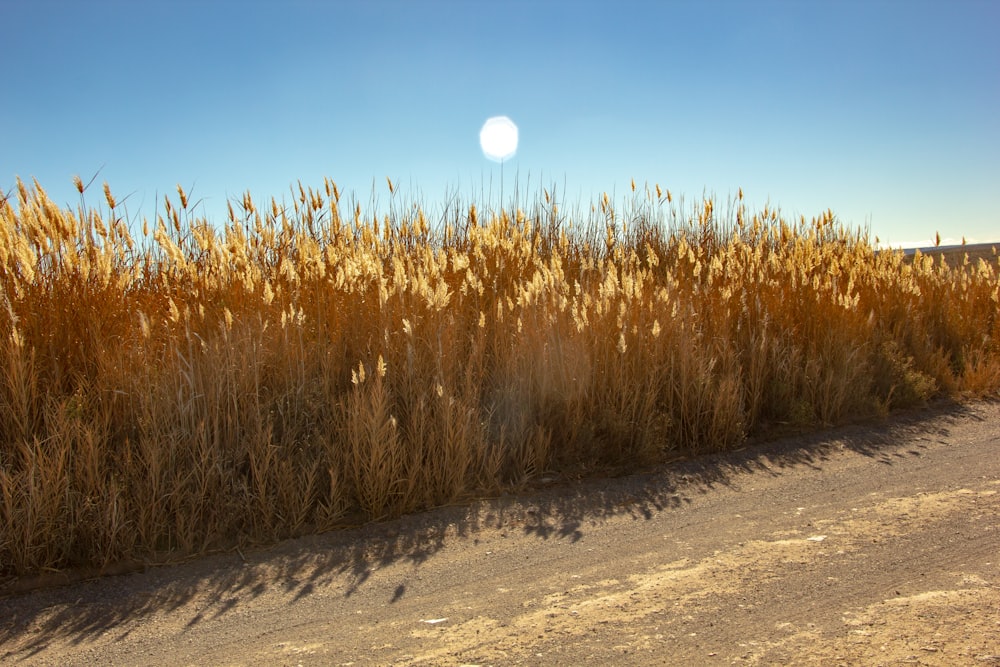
(342, 561)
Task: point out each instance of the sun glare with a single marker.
(498, 138)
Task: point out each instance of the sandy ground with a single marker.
(874, 544)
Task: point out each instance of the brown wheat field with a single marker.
(305, 366)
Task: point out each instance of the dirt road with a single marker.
(870, 544)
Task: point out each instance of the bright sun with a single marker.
(498, 138)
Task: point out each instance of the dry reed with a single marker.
(298, 368)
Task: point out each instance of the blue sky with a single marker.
(886, 112)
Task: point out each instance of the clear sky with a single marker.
(888, 112)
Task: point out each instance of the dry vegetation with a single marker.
(199, 387)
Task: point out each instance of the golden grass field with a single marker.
(199, 387)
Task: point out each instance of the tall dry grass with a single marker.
(198, 387)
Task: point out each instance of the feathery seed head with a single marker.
(144, 325)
